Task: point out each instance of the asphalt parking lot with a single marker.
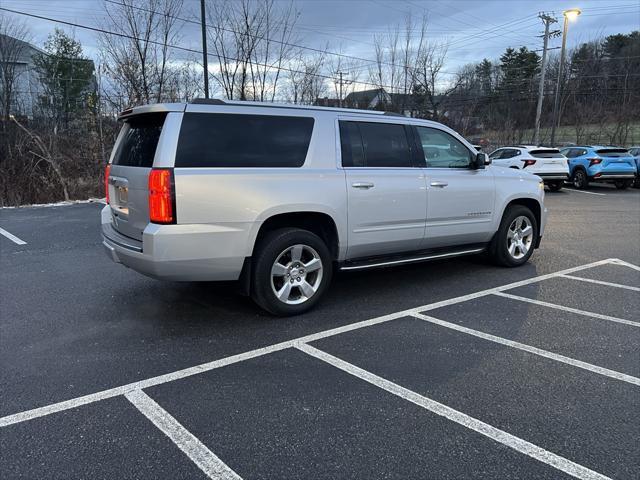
(445, 370)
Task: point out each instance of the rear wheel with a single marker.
(636, 182)
(555, 186)
(514, 241)
(580, 179)
(622, 184)
(292, 268)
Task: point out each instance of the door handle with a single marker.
(362, 185)
(439, 184)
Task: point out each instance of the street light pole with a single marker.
(568, 15)
(548, 20)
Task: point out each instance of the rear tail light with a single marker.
(161, 196)
(594, 161)
(107, 171)
(528, 163)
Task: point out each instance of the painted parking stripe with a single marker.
(584, 191)
(197, 452)
(567, 309)
(528, 348)
(507, 439)
(617, 261)
(12, 237)
(600, 282)
(205, 367)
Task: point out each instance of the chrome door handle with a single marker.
(439, 184)
(363, 185)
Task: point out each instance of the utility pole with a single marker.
(571, 14)
(341, 82)
(547, 20)
(205, 62)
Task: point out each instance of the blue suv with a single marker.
(635, 151)
(600, 164)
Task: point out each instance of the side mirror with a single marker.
(481, 160)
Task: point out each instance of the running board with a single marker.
(379, 262)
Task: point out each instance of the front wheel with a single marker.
(580, 179)
(514, 241)
(292, 268)
(555, 186)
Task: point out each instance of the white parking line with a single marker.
(617, 261)
(199, 454)
(12, 237)
(460, 418)
(600, 282)
(568, 309)
(205, 367)
(536, 351)
(584, 191)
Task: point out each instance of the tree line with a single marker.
(56, 148)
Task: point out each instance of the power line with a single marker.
(178, 47)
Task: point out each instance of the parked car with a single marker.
(547, 163)
(278, 197)
(595, 163)
(635, 151)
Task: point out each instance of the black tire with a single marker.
(555, 186)
(499, 250)
(622, 184)
(580, 179)
(636, 182)
(267, 251)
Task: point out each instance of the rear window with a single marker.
(232, 140)
(140, 139)
(613, 152)
(546, 153)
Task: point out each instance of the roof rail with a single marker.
(244, 103)
(208, 101)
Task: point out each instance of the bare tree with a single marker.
(305, 80)
(397, 54)
(253, 42)
(13, 37)
(138, 60)
(428, 80)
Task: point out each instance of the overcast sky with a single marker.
(475, 29)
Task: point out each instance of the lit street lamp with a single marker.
(570, 14)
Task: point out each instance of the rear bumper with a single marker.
(546, 177)
(613, 176)
(179, 252)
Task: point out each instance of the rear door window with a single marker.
(137, 147)
(375, 145)
(235, 140)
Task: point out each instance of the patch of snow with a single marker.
(62, 204)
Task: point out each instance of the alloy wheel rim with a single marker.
(519, 237)
(578, 181)
(296, 274)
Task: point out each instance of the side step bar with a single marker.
(423, 257)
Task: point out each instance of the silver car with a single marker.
(280, 196)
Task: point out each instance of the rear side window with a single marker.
(546, 153)
(138, 144)
(374, 145)
(232, 140)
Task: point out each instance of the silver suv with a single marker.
(279, 196)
